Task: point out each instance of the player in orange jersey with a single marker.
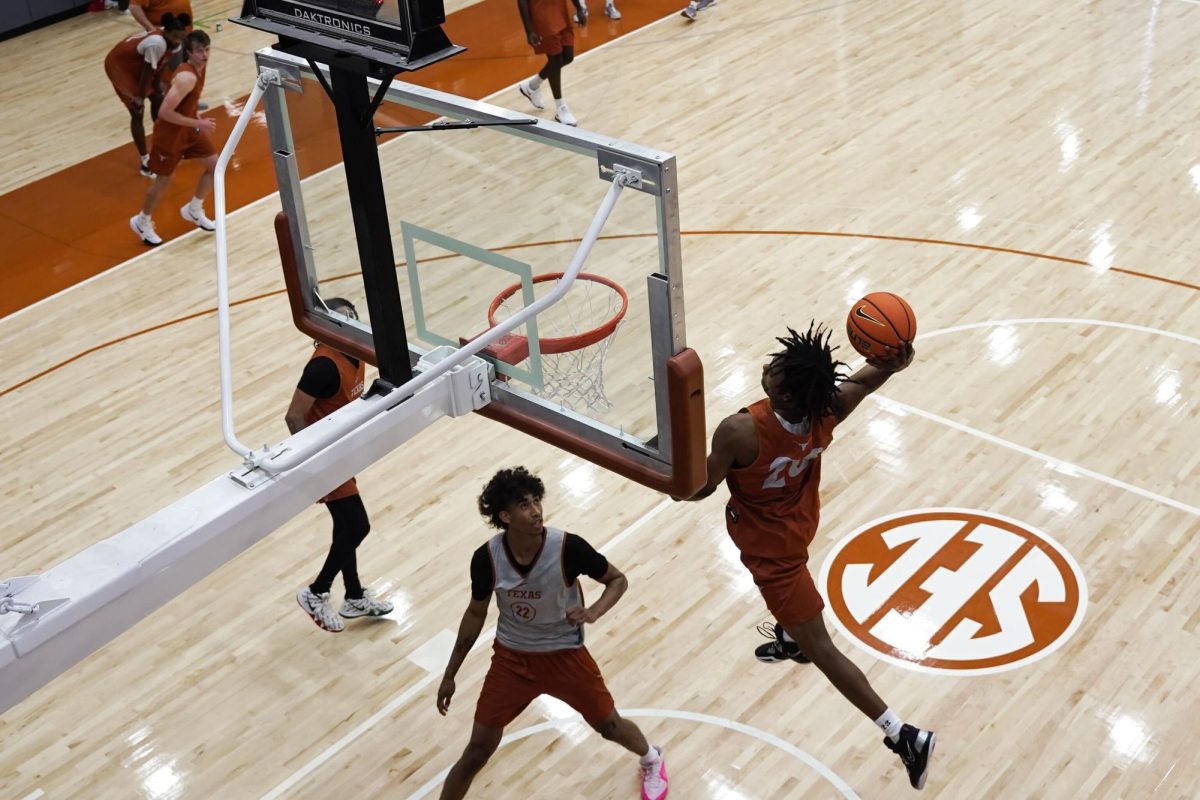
(134, 65)
(770, 455)
(331, 380)
(179, 133)
(548, 30)
(150, 13)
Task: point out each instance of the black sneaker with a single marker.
(778, 650)
(915, 748)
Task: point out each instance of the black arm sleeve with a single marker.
(580, 558)
(320, 378)
(483, 577)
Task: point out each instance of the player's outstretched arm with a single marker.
(615, 584)
(468, 632)
(869, 378)
(732, 442)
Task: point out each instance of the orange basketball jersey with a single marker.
(155, 9)
(774, 505)
(128, 55)
(350, 387)
(169, 136)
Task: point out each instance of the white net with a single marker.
(574, 336)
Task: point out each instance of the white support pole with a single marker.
(266, 77)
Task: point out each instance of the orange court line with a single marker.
(70, 226)
(549, 242)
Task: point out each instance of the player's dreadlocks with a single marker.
(808, 371)
(506, 487)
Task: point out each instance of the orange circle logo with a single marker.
(953, 590)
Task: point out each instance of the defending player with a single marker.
(533, 572)
(770, 454)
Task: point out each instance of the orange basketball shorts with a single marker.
(787, 587)
(126, 87)
(552, 23)
(516, 678)
(196, 145)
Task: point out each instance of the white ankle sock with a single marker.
(535, 82)
(652, 755)
(890, 724)
(787, 638)
(196, 206)
(146, 160)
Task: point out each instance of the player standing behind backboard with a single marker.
(133, 67)
(533, 571)
(331, 380)
(548, 30)
(180, 133)
(770, 454)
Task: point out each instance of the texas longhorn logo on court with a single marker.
(953, 590)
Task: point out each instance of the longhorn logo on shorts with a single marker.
(953, 590)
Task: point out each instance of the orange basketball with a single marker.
(880, 320)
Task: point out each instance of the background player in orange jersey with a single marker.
(548, 30)
(330, 381)
(533, 572)
(134, 66)
(179, 133)
(770, 455)
(149, 13)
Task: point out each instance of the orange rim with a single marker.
(565, 344)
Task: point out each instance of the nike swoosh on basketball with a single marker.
(858, 312)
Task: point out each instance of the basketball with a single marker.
(880, 320)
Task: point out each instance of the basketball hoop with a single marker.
(574, 336)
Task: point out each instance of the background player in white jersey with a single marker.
(533, 572)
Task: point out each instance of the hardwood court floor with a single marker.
(1025, 176)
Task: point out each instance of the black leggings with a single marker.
(553, 70)
(350, 527)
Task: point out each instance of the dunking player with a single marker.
(548, 30)
(770, 454)
(533, 571)
(330, 381)
(133, 67)
(181, 133)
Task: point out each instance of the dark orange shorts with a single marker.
(551, 21)
(196, 145)
(347, 489)
(553, 43)
(126, 88)
(516, 678)
(788, 588)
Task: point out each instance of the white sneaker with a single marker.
(532, 95)
(317, 606)
(611, 11)
(654, 778)
(144, 228)
(564, 115)
(367, 606)
(146, 172)
(197, 218)
(695, 6)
